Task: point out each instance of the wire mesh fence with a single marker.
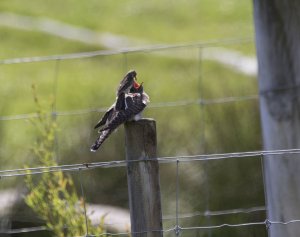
(203, 118)
(178, 217)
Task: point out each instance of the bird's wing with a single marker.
(120, 103)
(135, 105)
(118, 118)
(105, 117)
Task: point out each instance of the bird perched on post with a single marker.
(128, 106)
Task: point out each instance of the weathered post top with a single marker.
(140, 139)
(143, 179)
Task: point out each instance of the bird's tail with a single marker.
(103, 135)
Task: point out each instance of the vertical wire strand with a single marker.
(84, 206)
(202, 138)
(55, 85)
(177, 228)
(202, 105)
(54, 104)
(265, 192)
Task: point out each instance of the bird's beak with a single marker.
(136, 85)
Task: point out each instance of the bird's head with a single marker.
(131, 75)
(128, 81)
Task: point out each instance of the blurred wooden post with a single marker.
(278, 53)
(143, 179)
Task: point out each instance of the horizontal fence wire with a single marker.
(151, 48)
(165, 218)
(267, 223)
(153, 106)
(123, 163)
(216, 213)
(24, 230)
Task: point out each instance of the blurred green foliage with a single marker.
(53, 196)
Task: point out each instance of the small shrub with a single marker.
(53, 196)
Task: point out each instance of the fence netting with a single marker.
(202, 105)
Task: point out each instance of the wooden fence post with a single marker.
(143, 179)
